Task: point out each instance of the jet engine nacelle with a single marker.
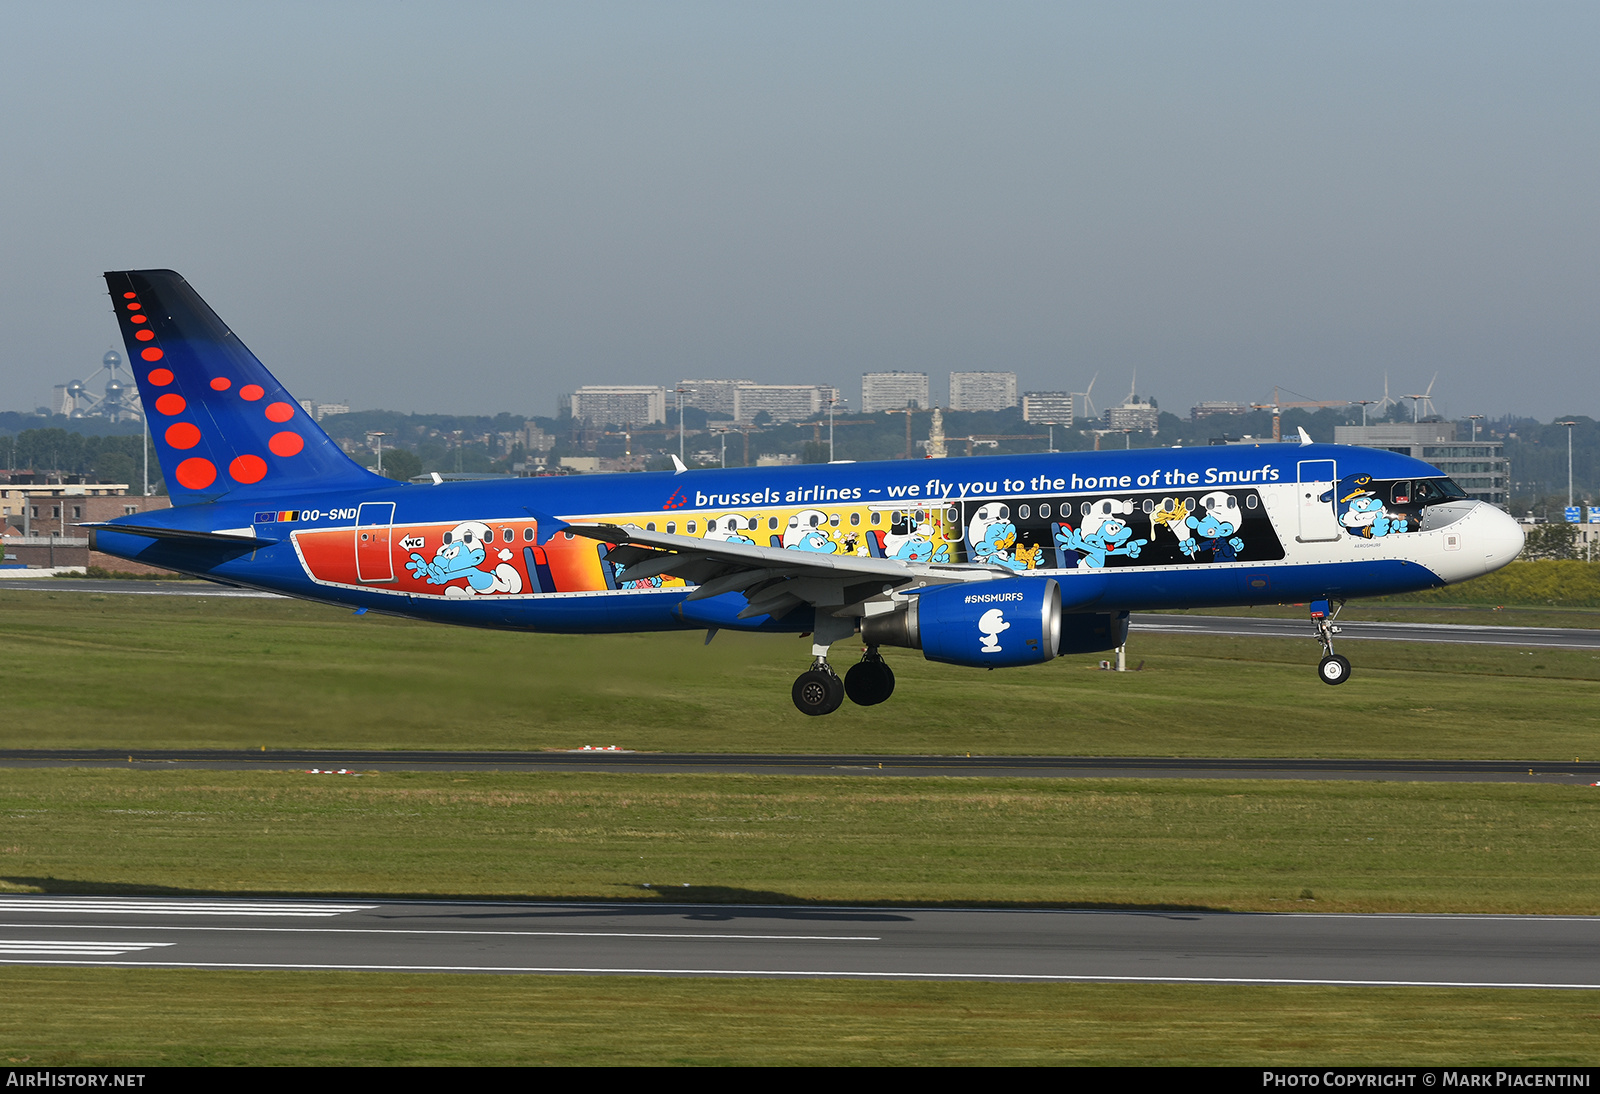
(991, 624)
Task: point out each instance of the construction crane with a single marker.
(908, 412)
(993, 439)
(1276, 406)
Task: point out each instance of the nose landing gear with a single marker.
(1333, 668)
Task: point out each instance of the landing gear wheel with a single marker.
(818, 691)
(869, 682)
(1334, 669)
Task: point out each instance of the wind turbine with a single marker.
(1085, 409)
(1417, 400)
(1386, 402)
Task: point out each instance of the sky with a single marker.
(475, 207)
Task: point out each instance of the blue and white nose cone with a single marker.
(1482, 541)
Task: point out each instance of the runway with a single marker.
(1479, 951)
(880, 765)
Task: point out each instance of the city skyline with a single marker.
(1221, 198)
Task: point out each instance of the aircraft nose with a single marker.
(1500, 535)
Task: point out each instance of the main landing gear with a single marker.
(819, 690)
(1333, 668)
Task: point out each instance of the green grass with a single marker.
(113, 671)
(136, 1018)
(91, 670)
(1214, 844)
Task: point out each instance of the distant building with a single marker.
(1478, 467)
(983, 390)
(1047, 407)
(602, 405)
(118, 400)
(1133, 414)
(1211, 408)
(328, 410)
(781, 402)
(893, 391)
(535, 439)
(711, 396)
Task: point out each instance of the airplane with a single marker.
(986, 562)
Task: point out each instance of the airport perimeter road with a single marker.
(334, 762)
(1570, 638)
(780, 941)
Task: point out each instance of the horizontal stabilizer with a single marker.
(186, 534)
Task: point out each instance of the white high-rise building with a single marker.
(983, 390)
(782, 402)
(711, 396)
(1047, 407)
(601, 405)
(893, 391)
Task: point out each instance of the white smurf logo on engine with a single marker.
(990, 624)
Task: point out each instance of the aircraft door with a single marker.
(374, 528)
(1314, 498)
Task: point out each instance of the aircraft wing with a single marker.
(773, 580)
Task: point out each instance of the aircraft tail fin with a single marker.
(220, 422)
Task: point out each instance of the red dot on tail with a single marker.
(160, 377)
(279, 412)
(248, 469)
(251, 392)
(135, 307)
(144, 335)
(286, 443)
(221, 383)
(171, 403)
(138, 319)
(129, 295)
(195, 473)
(150, 353)
(183, 434)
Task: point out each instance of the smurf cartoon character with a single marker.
(731, 528)
(991, 536)
(915, 544)
(990, 624)
(805, 532)
(460, 555)
(1361, 511)
(1103, 533)
(1215, 524)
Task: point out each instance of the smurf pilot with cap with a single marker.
(1361, 511)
